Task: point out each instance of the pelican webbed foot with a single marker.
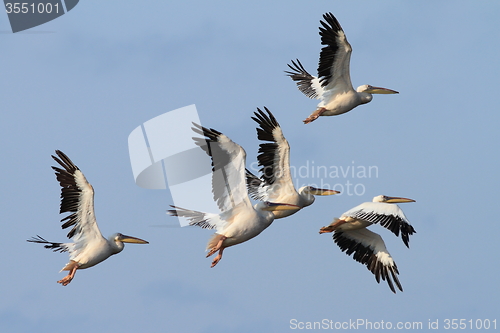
(332, 227)
(314, 115)
(326, 229)
(67, 279)
(216, 247)
(218, 258)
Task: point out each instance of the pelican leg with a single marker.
(332, 227)
(216, 247)
(67, 279)
(314, 115)
(218, 258)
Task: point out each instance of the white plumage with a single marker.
(333, 84)
(275, 183)
(367, 247)
(89, 247)
(238, 220)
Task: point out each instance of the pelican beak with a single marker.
(379, 90)
(320, 191)
(130, 239)
(398, 200)
(271, 206)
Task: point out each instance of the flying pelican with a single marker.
(368, 247)
(89, 247)
(333, 83)
(275, 183)
(238, 220)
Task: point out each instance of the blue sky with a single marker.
(83, 82)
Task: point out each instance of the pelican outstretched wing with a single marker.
(368, 248)
(56, 247)
(335, 56)
(199, 219)
(388, 215)
(257, 188)
(274, 158)
(308, 84)
(77, 198)
(228, 168)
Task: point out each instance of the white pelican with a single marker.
(368, 247)
(275, 183)
(333, 84)
(89, 247)
(238, 220)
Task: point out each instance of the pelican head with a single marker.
(386, 199)
(129, 239)
(375, 90)
(116, 241)
(273, 206)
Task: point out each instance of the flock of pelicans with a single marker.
(233, 185)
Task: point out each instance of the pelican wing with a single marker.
(333, 67)
(56, 247)
(388, 215)
(228, 168)
(199, 219)
(256, 187)
(77, 197)
(308, 84)
(368, 248)
(274, 156)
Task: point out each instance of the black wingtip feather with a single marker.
(268, 150)
(329, 32)
(302, 78)
(364, 255)
(56, 247)
(70, 192)
(253, 185)
(393, 223)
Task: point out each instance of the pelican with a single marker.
(333, 84)
(275, 183)
(351, 235)
(89, 247)
(238, 220)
